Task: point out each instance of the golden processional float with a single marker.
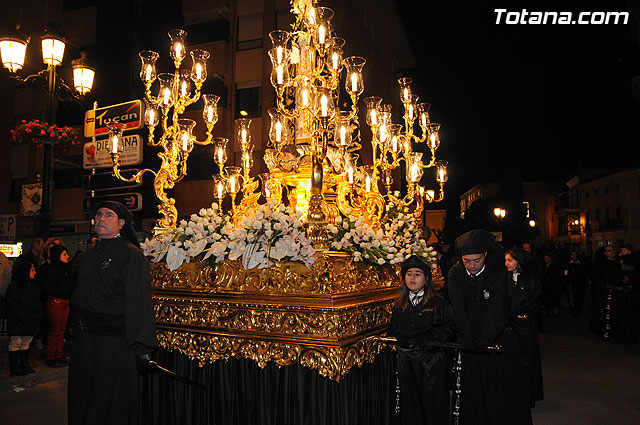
(303, 270)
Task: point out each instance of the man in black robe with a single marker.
(114, 323)
(493, 383)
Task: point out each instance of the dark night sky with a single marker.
(533, 102)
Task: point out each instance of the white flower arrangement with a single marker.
(396, 240)
(270, 232)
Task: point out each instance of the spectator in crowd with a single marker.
(577, 275)
(525, 293)
(59, 285)
(440, 273)
(551, 285)
(24, 310)
(494, 384)
(419, 316)
(5, 274)
(33, 256)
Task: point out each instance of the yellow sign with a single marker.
(11, 250)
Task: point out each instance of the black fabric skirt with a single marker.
(103, 381)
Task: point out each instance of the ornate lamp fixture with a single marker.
(13, 48)
(313, 145)
(164, 107)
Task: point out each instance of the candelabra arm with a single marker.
(115, 158)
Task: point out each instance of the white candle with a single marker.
(334, 58)
(167, 96)
(410, 111)
(279, 55)
(198, 71)
(394, 144)
(414, 172)
(423, 118)
(185, 141)
(184, 88)
(433, 140)
(244, 136)
(406, 94)
(210, 114)
(114, 144)
(367, 183)
(232, 184)
(354, 82)
(148, 72)
(279, 74)
(374, 117)
(321, 34)
(220, 154)
(441, 175)
(350, 174)
(178, 50)
(343, 135)
(324, 107)
(152, 116)
(278, 131)
(305, 97)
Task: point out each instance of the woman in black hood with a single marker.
(59, 286)
(24, 311)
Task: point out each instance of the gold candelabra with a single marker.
(313, 145)
(177, 140)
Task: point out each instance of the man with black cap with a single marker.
(493, 386)
(114, 322)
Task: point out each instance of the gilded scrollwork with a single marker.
(324, 317)
(331, 362)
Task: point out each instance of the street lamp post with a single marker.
(13, 48)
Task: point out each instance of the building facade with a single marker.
(236, 33)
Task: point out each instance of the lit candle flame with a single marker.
(350, 174)
(279, 74)
(324, 106)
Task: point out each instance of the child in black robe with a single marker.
(420, 316)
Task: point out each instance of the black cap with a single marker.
(477, 241)
(415, 262)
(120, 210)
(127, 231)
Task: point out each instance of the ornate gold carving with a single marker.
(331, 362)
(322, 317)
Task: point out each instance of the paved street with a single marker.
(587, 382)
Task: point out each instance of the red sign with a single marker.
(96, 121)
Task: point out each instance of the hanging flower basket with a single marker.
(38, 133)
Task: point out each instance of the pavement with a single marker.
(586, 382)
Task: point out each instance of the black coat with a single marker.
(24, 308)
(422, 372)
(58, 282)
(525, 296)
(114, 321)
(493, 384)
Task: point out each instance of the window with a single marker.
(249, 32)
(249, 100)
